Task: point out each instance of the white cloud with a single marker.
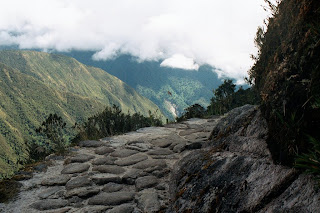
(180, 61)
(216, 32)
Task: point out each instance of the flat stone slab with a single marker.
(146, 182)
(161, 142)
(189, 131)
(179, 147)
(103, 150)
(115, 198)
(104, 161)
(91, 143)
(60, 180)
(81, 158)
(49, 204)
(112, 187)
(149, 202)
(105, 180)
(131, 176)
(122, 153)
(49, 192)
(112, 169)
(133, 159)
(150, 163)
(160, 151)
(78, 182)
(75, 168)
(83, 192)
(124, 208)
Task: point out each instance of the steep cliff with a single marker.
(235, 173)
(287, 77)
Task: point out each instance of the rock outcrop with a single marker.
(235, 173)
(172, 169)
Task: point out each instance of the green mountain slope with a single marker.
(153, 81)
(34, 84)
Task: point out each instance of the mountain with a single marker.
(171, 89)
(35, 84)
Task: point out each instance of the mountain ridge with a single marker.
(30, 95)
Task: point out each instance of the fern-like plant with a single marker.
(310, 162)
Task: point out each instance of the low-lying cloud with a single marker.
(185, 34)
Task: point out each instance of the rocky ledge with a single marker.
(172, 169)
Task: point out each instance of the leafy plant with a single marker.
(54, 129)
(112, 121)
(194, 111)
(310, 162)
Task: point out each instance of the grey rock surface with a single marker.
(81, 158)
(149, 202)
(146, 182)
(235, 173)
(53, 181)
(114, 198)
(49, 204)
(103, 150)
(122, 153)
(78, 182)
(112, 169)
(75, 168)
(123, 208)
(133, 159)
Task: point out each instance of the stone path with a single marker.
(126, 173)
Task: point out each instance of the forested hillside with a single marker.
(35, 84)
(171, 89)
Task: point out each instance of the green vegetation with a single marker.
(112, 121)
(54, 131)
(35, 84)
(224, 99)
(311, 161)
(286, 76)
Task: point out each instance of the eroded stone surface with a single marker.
(104, 161)
(81, 158)
(122, 153)
(160, 151)
(133, 159)
(114, 198)
(105, 180)
(49, 192)
(49, 204)
(112, 187)
(151, 163)
(82, 192)
(146, 182)
(103, 150)
(148, 202)
(113, 169)
(58, 180)
(78, 182)
(75, 168)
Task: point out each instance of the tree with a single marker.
(223, 96)
(54, 129)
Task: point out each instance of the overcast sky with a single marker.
(183, 33)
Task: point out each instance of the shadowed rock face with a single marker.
(235, 173)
